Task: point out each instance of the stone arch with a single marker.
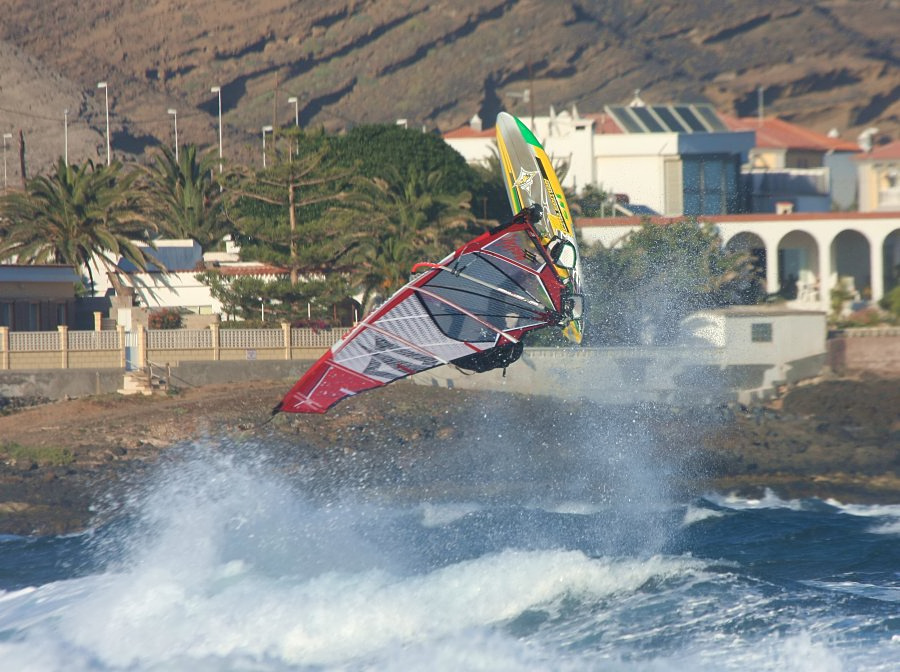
(753, 245)
(798, 266)
(891, 256)
(851, 263)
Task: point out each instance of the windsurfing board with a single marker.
(530, 179)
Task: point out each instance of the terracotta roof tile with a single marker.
(888, 152)
(259, 269)
(780, 134)
(595, 222)
(469, 132)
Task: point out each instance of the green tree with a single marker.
(389, 151)
(280, 216)
(275, 301)
(75, 215)
(399, 221)
(640, 291)
(592, 202)
(184, 197)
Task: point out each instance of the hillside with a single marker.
(825, 64)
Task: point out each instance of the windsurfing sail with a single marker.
(471, 309)
(531, 180)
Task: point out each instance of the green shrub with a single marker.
(52, 456)
(891, 302)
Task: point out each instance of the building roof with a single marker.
(37, 273)
(173, 254)
(594, 222)
(889, 152)
(468, 132)
(774, 133)
(249, 268)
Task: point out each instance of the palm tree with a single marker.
(184, 197)
(406, 221)
(75, 215)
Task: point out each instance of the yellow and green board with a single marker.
(530, 178)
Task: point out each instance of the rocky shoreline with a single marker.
(837, 438)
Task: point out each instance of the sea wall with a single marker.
(675, 376)
(62, 383)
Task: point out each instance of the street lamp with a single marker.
(265, 129)
(218, 90)
(102, 85)
(293, 99)
(174, 114)
(6, 136)
(66, 127)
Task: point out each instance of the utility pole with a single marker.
(531, 92)
(22, 159)
(275, 117)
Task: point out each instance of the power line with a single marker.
(112, 115)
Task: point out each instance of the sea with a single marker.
(227, 556)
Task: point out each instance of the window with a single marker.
(33, 314)
(710, 184)
(761, 332)
(6, 315)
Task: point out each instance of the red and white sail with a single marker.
(471, 309)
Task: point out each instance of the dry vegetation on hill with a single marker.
(828, 63)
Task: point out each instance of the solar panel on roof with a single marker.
(624, 119)
(667, 118)
(647, 118)
(685, 112)
(670, 120)
(710, 117)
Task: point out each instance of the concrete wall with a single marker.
(678, 375)
(58, 384)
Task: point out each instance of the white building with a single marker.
(879, 179)
(177, 286)
(795, 169)
(819, 250)
(670, 159)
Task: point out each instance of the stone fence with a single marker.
(120, 349)
(874, 350)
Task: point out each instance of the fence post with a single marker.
(142, 347)
(120, 331)
(216, 353)
(286, 330)
(4, 348)
(98, 320)
(63, 346)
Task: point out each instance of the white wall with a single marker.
(640, 177)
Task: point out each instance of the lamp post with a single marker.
(265, 129)
(66, 127)
(218, 90)
(6, 136)
(102, 85)
(293, 100)
(174, 114)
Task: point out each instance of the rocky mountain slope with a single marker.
(823, 63)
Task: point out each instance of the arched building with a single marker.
(814, 250)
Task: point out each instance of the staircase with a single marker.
(142, 382)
